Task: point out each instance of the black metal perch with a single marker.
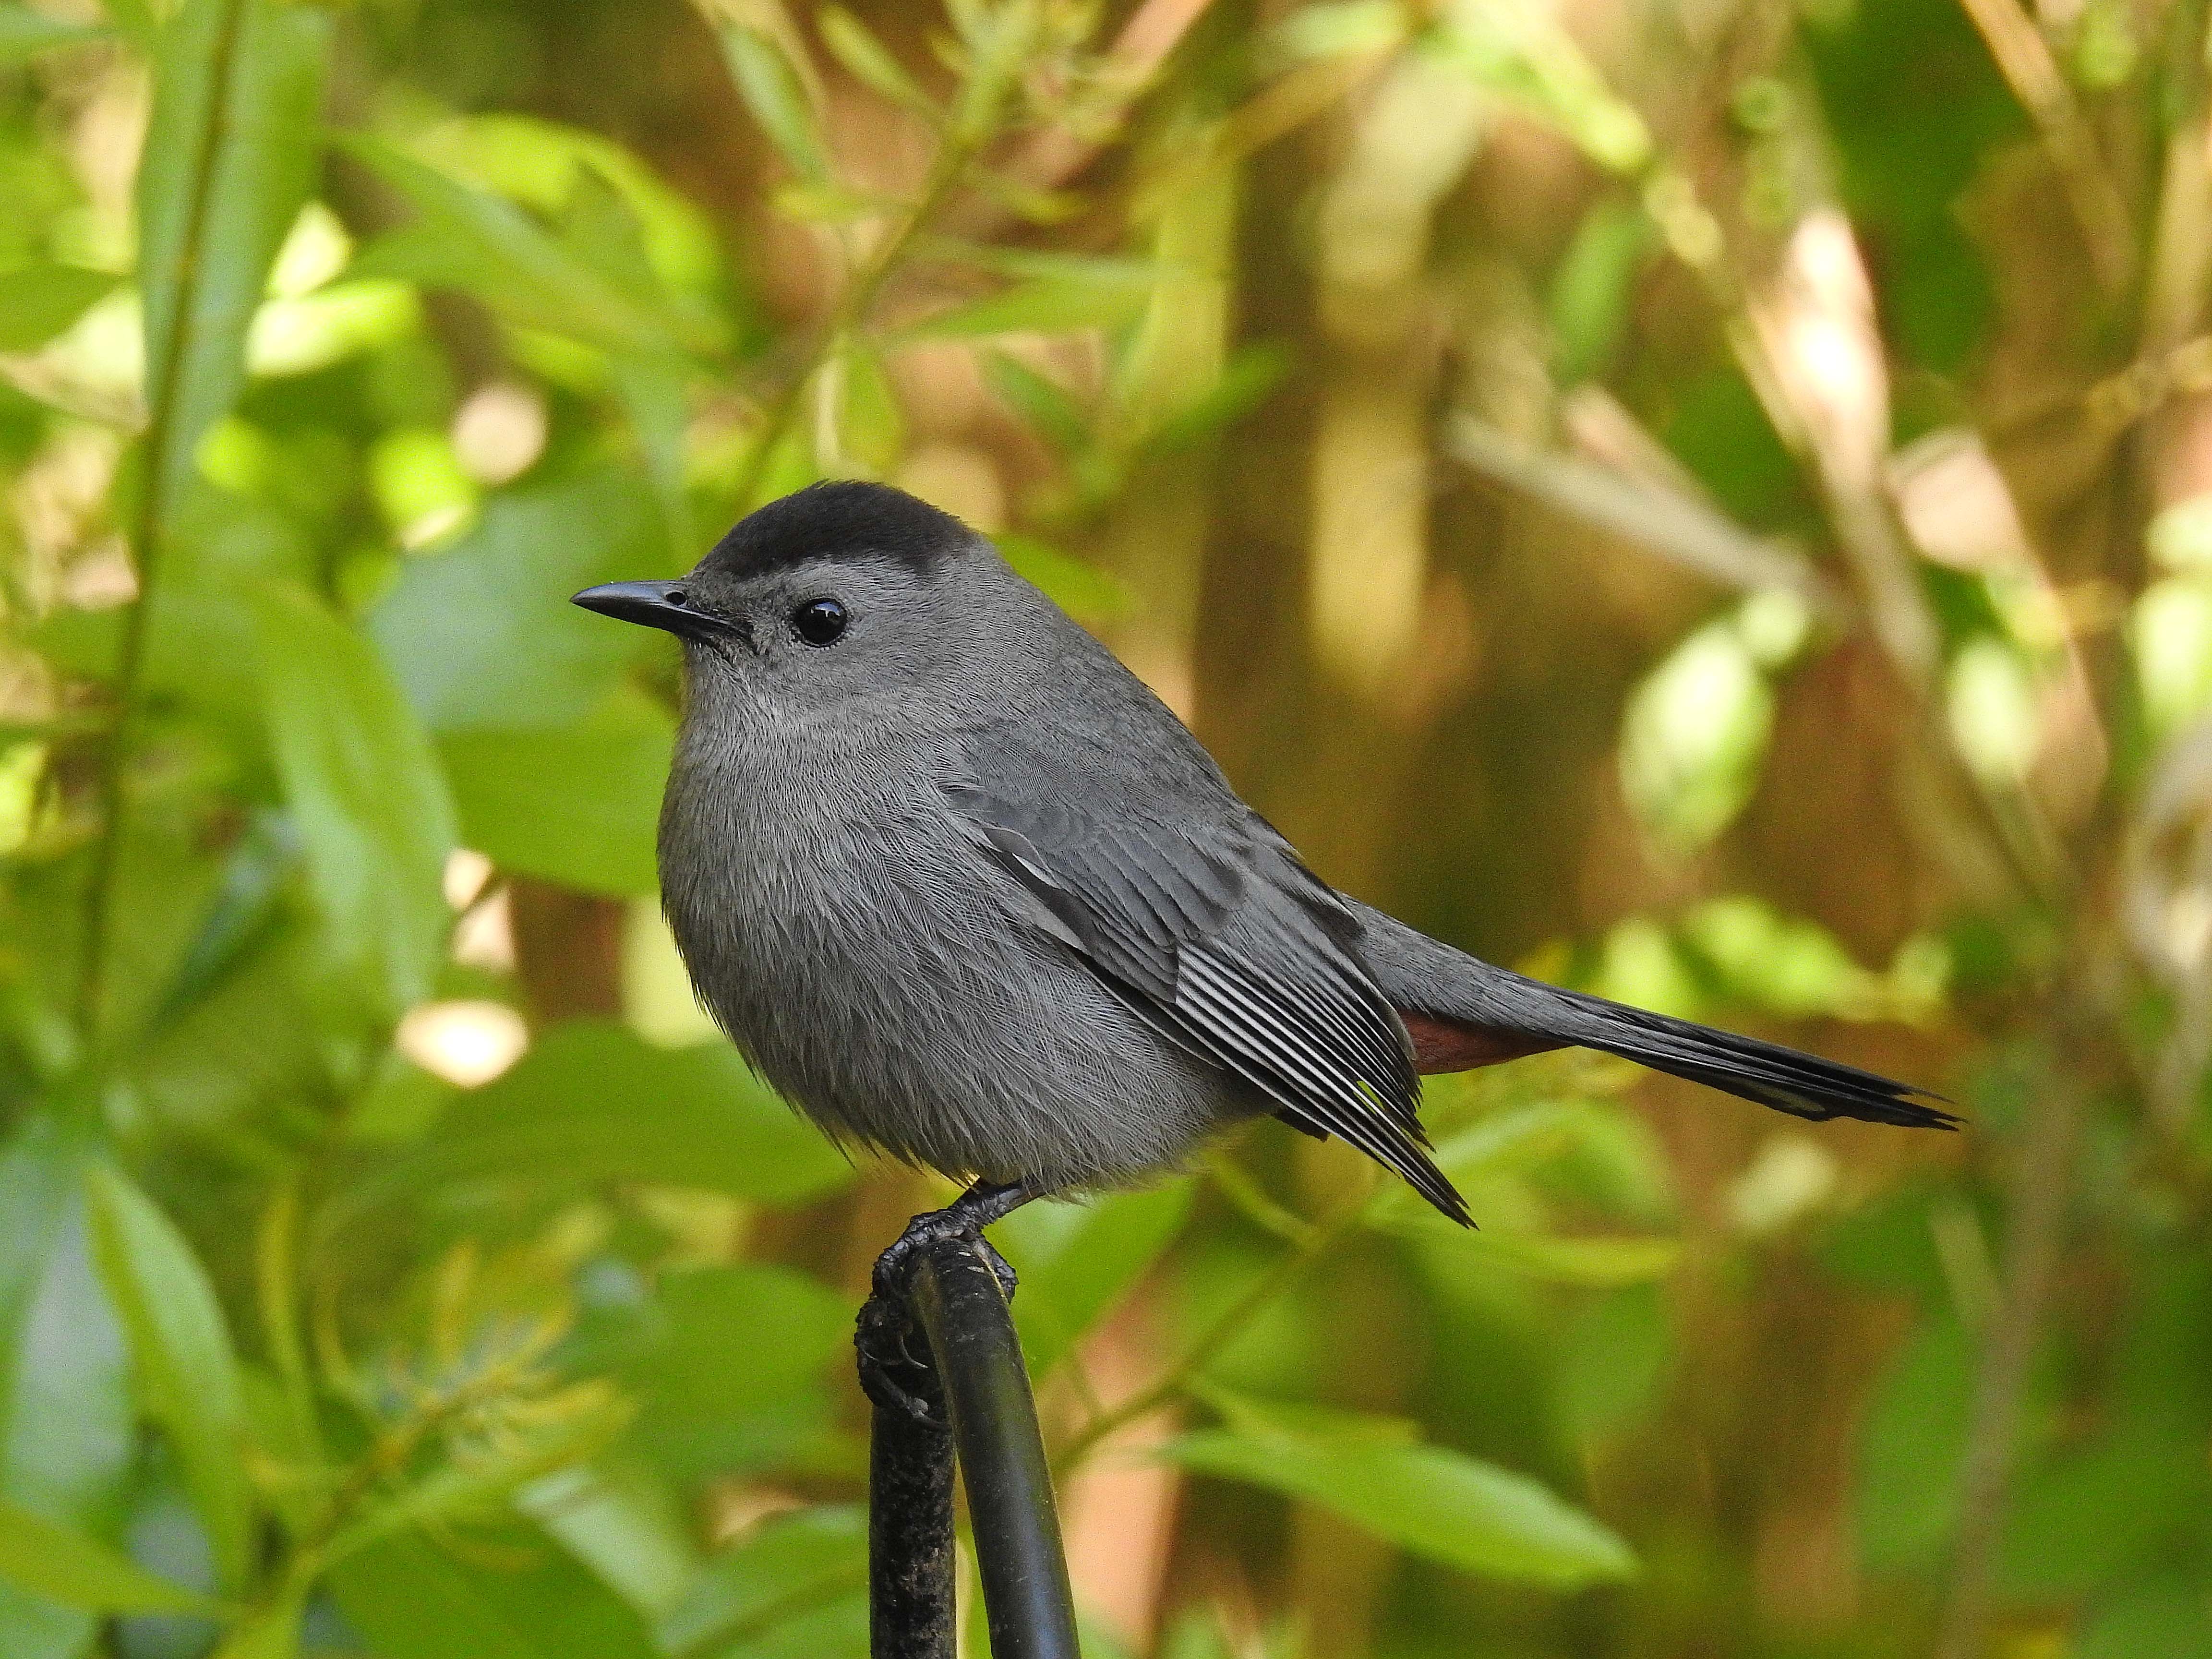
(970, 1393)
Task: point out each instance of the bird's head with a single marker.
(842, 591)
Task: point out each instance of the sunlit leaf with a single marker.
(363, 783)
(1099, 295)
(40, 301)
(229, 158)
(1084, 591)
(271, 1632)
(1693, 738)
(481, 635)
(774, 92)
(511, 1595)
(569, 1429)
(700, 1415)
(67, 1438)
(1427, 1499)
(1522, 53)
(483, 244)
(1588, 304)
(871, 425)
(25, 33)
(592, 1102)
(577, 805)
(869, 61)
(788, 1567)
(1050, 410)
(624, 1523)
(181, 1358)
(63, 1566)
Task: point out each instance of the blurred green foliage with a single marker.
(1707, 502)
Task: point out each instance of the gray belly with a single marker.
(889, 990)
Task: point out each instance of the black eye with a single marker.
(819, 622)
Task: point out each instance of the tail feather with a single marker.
(1802, 1085)
(1506, 1013)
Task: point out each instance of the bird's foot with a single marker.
(891, 1373)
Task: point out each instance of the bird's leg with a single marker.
(891, 1374)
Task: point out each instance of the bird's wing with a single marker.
(1215, 935)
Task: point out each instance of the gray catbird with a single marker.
(966, 892)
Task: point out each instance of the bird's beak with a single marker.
(638, 602)
(656, 604)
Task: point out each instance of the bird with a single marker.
(963, 890)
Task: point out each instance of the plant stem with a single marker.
(1316, 1238)
(146, 532)
(945, 172)
(2040, 1197)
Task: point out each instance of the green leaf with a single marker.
(363, 783)
(24, 33)
(483, 244)
(870, 62)
(594, 1102)
(1589, 302)
(181, 1358)
(1694, 738)
(712, 1397)
(229, 158)
(837, 1629)
(482, 1485)
(512, 1596)
(1050, 410)
(40, 301)
(870, 426)
(63, 1566)
(624, 1523)
(1075, 1258)
(2092, 1516)
(786, 1569)
(481, 635)
(1433, 1502)
(1084, 591)
(576, 805)
(67, 1435)
(1602, 1262)
(1910, 1447)
(1104, 295)
(2168, 1615)
(273, 1633)
(773, 91)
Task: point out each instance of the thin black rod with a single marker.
(909, 1538)
(1027, 1600)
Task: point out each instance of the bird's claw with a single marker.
(891, 1374)
(897, 1263)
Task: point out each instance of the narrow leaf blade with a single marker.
(187, 1371)
(63, 1564)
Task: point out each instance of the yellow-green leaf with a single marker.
(63, 1564)
(1427, 1499)
(229, 158)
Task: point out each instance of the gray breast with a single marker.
(887, 981)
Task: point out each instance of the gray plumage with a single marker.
(966, 892)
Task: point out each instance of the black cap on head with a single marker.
(842, 519)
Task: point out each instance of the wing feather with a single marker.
(1224, 943)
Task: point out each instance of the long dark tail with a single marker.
(1471, 1012)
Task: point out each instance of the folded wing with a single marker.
(1221, 941)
